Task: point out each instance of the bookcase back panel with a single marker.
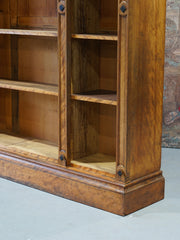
(94, 16)
(5, 70)
(5, 57)
(5, 110)
(108, 17)
(4, 14)
(85, 66)
(38, 116)
(94, 129)
(108, 66)
(29, 14)
(84, 130)
(94, 66)
(107, 130)
(34, 14)
(38, 60)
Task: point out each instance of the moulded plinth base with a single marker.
(100, 193)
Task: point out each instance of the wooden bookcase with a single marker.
(81, 86)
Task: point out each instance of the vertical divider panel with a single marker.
(122, 90)
(64, 42)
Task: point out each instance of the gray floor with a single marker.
(29, 214)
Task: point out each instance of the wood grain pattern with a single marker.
(90, 132)
(38, 116)
(27, 14)
(38, 60)
(95, 37)
(98, 161)
(5, 69)
(35, 147)
(21, 32)
(64, 46)
(102, 193)
(14, 75)
(122, 93)
(145, 86)
(98, 143)
(5, 110)
(104, 97)
(29, 87)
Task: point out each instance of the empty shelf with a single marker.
(22, 145)
(95, 37)
(98, 96)
(29, 87)
(41, 33)
(98, 161)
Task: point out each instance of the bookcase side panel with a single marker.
(146, 40)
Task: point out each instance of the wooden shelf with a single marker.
(95, 37)
(98, 161)
(21, 145)
(98, 96)
(40, 33)
(29, 87)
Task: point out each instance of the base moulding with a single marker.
(110, 196)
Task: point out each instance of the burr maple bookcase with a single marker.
(81, 86)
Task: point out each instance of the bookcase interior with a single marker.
(29, 77)
(94, 136)
(94, 84)
(94, 17)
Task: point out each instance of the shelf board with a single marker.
(98, 96)
(98, 161)
(21, 145)
(29, 87)
(96, 37)
(40, 33)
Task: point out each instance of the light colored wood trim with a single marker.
(109, 99)
(122, 94)
(40, 33)
(95, 37)
(29, 87)
(64, 46)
